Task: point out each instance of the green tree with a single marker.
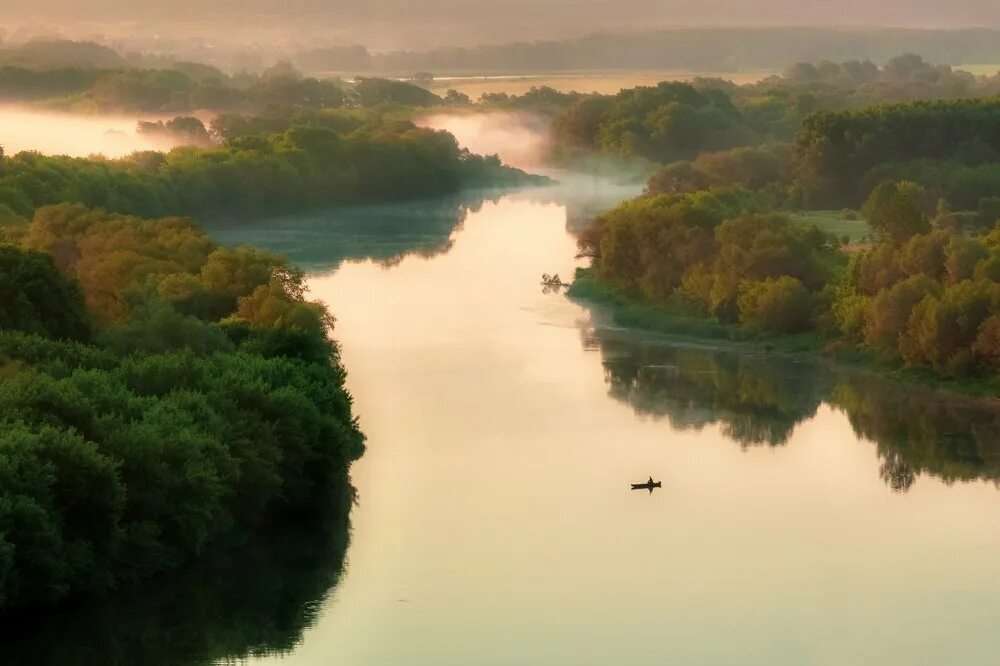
(35, 298)
(895, 211)
(776, 305)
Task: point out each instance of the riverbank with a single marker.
(630, 312)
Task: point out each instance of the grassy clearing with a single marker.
(836, 222)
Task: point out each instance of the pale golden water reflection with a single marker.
(808, 515)
(495, 524)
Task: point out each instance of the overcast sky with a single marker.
(394, 23)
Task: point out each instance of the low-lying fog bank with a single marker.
(57, 133)
(520, 139)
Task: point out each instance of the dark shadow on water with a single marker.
(759, 399)
(385, 233)
(253, 598)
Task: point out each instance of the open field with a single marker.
(980, 70)
(835, 222)
(600, 82)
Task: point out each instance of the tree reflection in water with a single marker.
(249, 599)
(384, 233)
(759, 399)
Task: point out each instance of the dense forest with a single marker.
(713, 238)
(950, 146)
(678, 121)
(303, 167)
(160, 392)
(247, 597)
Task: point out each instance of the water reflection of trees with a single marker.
(917, 432)
(385, 233)
(246, 600)
(754, 401)
(758, 399)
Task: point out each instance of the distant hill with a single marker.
(61, 53)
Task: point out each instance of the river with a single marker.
(495, 524)
(807, 516)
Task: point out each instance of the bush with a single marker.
(776, 305)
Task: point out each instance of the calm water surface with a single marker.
(806, 516)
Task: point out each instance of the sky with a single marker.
(428, 23)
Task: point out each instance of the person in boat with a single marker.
(650, 481)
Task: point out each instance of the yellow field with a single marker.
(980, 70)
(601, 82)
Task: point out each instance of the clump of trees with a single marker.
(185, 130)
(665, 123)
(159, 392)
(715, 252)
(298, 168)
(767, 167)
(923, 294)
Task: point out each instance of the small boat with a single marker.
(649, 485)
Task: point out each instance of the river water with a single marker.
(807, 516)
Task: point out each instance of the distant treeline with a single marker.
(696, 49)
(822, 135)
(297, 168)
(674, 121)
(185, 86)
(700, 49)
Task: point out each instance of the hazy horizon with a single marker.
(397, 24)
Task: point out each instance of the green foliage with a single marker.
(186, 129)
(835, 150)
(374, 91)
(133, 456)
(966, 186)
(927, 298)
(669, 122)
(702, 251)
(766, 167)
(301, 167)
(776, 305)
(35, 298)
(895, 211)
